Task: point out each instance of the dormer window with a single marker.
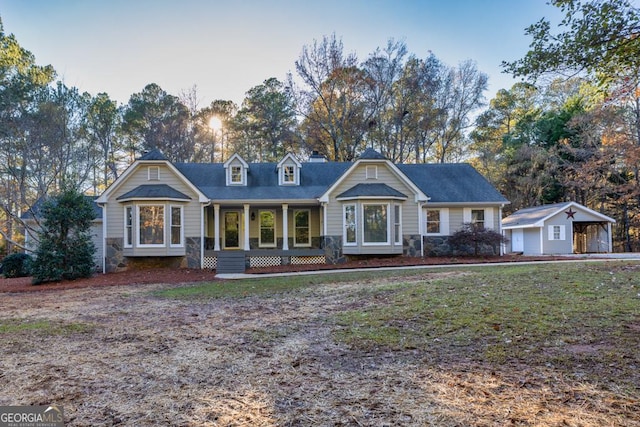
(289, 171)
(236, 174)
(236, 170)
(289, 174)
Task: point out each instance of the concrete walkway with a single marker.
(635, 256)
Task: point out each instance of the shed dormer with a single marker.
(289, 170)
(236, 170)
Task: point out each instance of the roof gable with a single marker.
(372, 156)
(289, 158)
(535, 216)
(153, 160)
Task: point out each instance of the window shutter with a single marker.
(488, 219)
(444, 221)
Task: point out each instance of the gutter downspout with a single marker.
(104, 237)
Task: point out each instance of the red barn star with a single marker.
(570, 213)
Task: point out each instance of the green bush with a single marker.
(475, 239)
(65, 251)
(16, 265)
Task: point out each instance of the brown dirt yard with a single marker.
(120, 355)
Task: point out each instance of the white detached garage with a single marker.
(560, 228)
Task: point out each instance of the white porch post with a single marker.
(285, 227)
(610, 240)
(203, 210)
(502, 248)
(216, 227)
(324, 219)
(421, 223)
(246, 227)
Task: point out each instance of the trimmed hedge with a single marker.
(16, 265)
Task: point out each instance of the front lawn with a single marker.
(528, 345)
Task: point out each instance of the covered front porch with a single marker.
(240, 236)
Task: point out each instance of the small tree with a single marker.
(472, 235)
(65, 251)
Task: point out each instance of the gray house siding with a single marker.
(531, 241)
(565, 244)
(378, 173)
(115, 213)
(321, 188)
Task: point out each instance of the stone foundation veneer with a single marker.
(439, 246)
(332, 246)
(192, 253)
(114, 260)
(411, 245)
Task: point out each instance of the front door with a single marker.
(517, 240)
(231, 230)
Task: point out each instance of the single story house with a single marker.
(236, 214)
(560, 228)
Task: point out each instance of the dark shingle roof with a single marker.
(154, 191)
(262, 181)
(371, 154)
(443, 183)
(371, 190)
(452, 183)
(153, 155)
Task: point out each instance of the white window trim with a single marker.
(444, 222)
(275, 229)
(296, 174)
(397, 222)
(153, 173)
(562, 232)
(388, 241)
(344, 224)
(488, 217)
(170, 230)
(129, 244)
(164, 231)
(230, 180)
(295, 229)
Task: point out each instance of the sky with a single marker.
(225, 48)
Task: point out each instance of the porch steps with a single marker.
(230, 262)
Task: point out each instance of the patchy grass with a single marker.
(242, 288)
(583, 318)
(42, 326)
(537, 345)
